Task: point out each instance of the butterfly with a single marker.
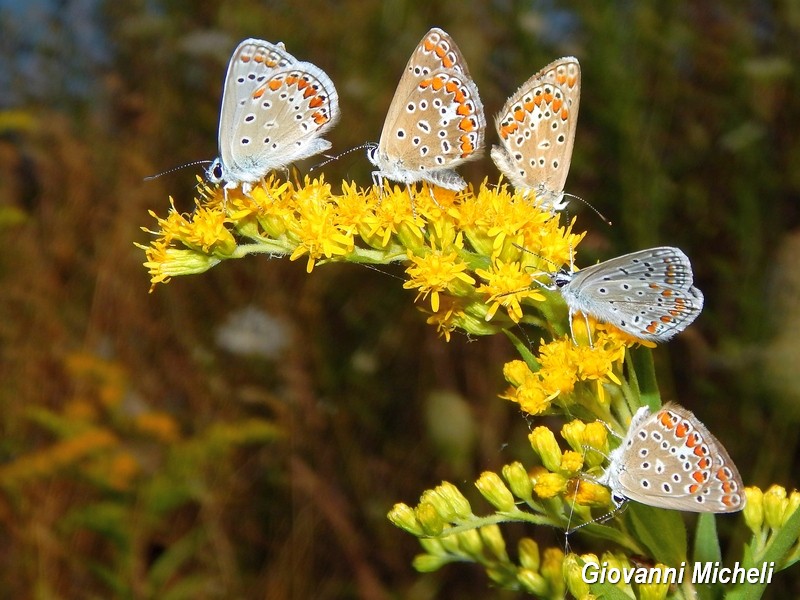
(647, 294)
(274, 112)
(435, 121)
(536, 128)
(670, 460)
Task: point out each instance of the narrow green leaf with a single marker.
(642, 375)
(706, 549)
(167, 567)
(524, 352)
(661, 531)
(608, 591)
(706, 542)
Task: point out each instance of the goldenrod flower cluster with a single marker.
(468, 254)
(476, 261)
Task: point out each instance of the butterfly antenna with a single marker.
(381, 271)
(603, 218)
(178, 168)
(524, 249)
(341, 154)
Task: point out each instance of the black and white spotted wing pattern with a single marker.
(274, 110)
(648, 294)
(435, 121)
(536, 128)
(670, 460)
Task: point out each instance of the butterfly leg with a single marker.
(378, 181)
(225, 198)
(433, 197)
(588, 331)
(571, 328)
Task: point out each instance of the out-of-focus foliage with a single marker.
(152, 449)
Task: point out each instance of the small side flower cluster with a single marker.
(774, 519)
(568, 374)
(450, 532)
(579, 571)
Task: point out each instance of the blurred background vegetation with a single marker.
(243, 434)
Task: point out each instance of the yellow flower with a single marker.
(435, 273)
(392, 215)
(446, 322)
(560, 362)
(549, 485)
(355, 208)
(507, 284)
(207, 232)
(316, 229)
(528, 391)
(571, 462)
(588, 493)
(495, 220)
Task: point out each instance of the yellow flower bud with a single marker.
(545, 445)
(754, 509)
(469, 542)
(174, 262)
(429, 518)
(427, 563)
(532, 582)
(494, 542)
(273, 226)
(595, 436)
(791, 506)
(454, 497)
(573, 433)
(518, 480)
(654, 591)
(403, 516)
(573, 568)
(495, 491)
(774, 506)
(411, 238)
(516, 372)
(528, 551)
(552, 570)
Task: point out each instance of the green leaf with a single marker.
(706, 542)
(706, 549)
(642, 376)
(168, 566)
(661, 531)
(524, 352)
(609, 591)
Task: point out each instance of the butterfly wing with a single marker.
(648, 294)
(274, 111)
(435, 121)
(672, 461)
(537, 127)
